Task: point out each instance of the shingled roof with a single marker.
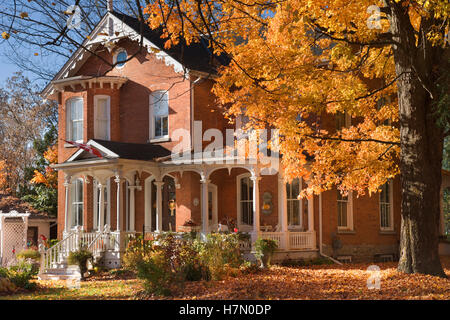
(135, 151)
(197, 56)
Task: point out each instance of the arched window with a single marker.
(120, 57)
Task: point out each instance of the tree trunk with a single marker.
(421, 152)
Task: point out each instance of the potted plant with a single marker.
(80, 258)
(264, 251)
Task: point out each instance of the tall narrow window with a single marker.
(102, 116)
(246, 200)
(77, 203)
(159, 110)
(74, 112)
(386, 218)
(342, 205)
(293, 203)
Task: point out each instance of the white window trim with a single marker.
(69, 119)
(108, 105)
(153, 137)
(391, 208)
(108, 203)
(115, 57)
(349, 226)
(241, 226)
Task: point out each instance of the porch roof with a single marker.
(121, 150)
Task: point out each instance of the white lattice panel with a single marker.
(14, 241)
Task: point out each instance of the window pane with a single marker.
(121, 57)
(165, 126)
(160, 103)
(77, 130)
(102, 106)
(157, 126)
(342, 214)
(295, 188)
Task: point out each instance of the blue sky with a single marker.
(6, 69)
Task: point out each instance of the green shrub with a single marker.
(264, 250)
(80, 258)
(220, 253)
(136, 250)
(29, 254)
(156, 273)
(196, 271)
(6, 286)
(21, 274)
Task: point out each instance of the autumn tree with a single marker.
(24, 117)
(384, 63)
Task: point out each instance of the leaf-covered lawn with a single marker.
(311, 282)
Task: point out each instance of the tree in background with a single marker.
(42, 193)
(39, 36)
(24, 117)
(385, 64)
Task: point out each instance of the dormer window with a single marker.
(159, 114)
(74, 114)
(102, 117)
(120, 57)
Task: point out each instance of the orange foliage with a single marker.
(50, 176)
(282, 67)
(3, 179)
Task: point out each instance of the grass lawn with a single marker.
(311, 282)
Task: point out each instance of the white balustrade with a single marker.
(302, 240)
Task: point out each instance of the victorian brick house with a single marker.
(133, 114)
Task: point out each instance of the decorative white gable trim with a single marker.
(105, 151)
(109, 30)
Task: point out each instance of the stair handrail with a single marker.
(97, 245)
(57, 252)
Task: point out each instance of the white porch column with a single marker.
(159, 186)
(283, 211)
(101, 207)
(67, 186)
(204, 192)
(132, 212)
(119, 203)
(256, 206)
(311, 213)
(441, 216)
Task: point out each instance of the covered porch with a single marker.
(150, 196)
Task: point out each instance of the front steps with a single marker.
(61, 273)
(109, 259)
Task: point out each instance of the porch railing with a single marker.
(302, 240)
(292, 240)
